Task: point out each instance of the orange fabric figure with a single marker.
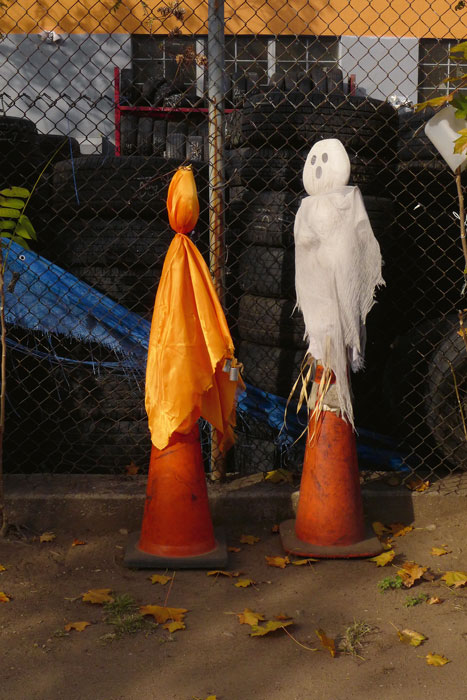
(190, 340)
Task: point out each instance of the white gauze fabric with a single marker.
(337, 265)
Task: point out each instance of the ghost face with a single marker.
(327, 166)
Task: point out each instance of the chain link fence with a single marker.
(100, 104)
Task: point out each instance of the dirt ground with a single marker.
(215, 655)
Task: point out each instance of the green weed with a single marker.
(389, 582)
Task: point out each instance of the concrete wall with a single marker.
(65, 87)
(383, 65)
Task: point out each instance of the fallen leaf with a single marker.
(131, 469)
(379, 529)
(282, 616)
(78, 626)
(455, 578)
(417, 484)
(4, 598)
(398, 529)
(248, 539)
(2, 568)
(162, 614)
(219, 573)
(411, 637)
(270, 626)
(275, 529)
(210, 697)
(436, 660)
(279, 562)
(434, 600)
(301, 562)
(160, 578)
(47, 537)
(99, 596)
(411, 572)
(384, 558)
(234, 549)
(174, 626)
(76, 543)
(248, 617)
(439, 551)
(244, 583)
(279, 476)
(328, 643)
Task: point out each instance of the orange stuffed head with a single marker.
(182, 201)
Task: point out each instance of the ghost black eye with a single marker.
(313, 160)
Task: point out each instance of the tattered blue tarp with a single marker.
(42, 296)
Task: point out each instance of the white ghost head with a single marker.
(327, 166)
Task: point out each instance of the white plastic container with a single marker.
(442, 130)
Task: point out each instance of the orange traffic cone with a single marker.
(177, 530)
(329, 521)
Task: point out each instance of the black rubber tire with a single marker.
(159, 137)
(268, 272)
(145, 138)
(128, 134)
(264, 218)
(14, 128)
(269, 321)
(122, 186)
(271, 369)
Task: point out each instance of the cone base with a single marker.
(135, 558)
(370, 546)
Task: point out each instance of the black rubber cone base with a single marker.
(135, 558)
(368, 547)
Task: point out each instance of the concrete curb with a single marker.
(103, 504)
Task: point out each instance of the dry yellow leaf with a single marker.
(248, 539)
(162, 614)
(327, 643)
(174, 626)
(270, 626)
(234, 549)
(77, 543)
(379, 529)
(436, 660)
(279, 476)
(244, 583)
(248, 617)
(439, 551)
(99, 596)
(458, 579)
(282, 616)
(47, 537)
(301, 562)
(78, 626)
(411, 572)
(160, 578)
(4, 598)
(384, 558)
(219, 573)
(411, 637)
(2, 568)
(398, 529)
(278, 562)
(434, 600)
(417, 484)
(210, 697)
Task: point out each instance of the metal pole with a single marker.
(216, 173)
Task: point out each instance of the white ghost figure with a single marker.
(337, 265)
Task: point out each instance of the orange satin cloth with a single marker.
(190, 340)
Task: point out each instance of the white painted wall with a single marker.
(383, 66)
(65, 87)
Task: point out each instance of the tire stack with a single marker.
(272, 139)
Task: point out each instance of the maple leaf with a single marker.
(248, 617)
(244, 583)
(77, 543)
(439, 551)
(47, 537)
(270, 626)
(2, 568)
(458, 579)
(301, 562)
(379, 529)
(4, 598)
(248, 539)
(417, 484)
(411, 637)
(434, 600)
(219, 573)
(98, 596)
(278, 562)
(234, 549)
(131, 469)
(162, 614)
(436, 659)
(327, 643)
(78, 626)
(411, 572)
(384, 558)
(279, 476)
(159, 578)
(174, 626)
(398, 529)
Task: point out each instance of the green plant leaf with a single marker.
(434, 102)
(25, 225)
(7, 225)
(460, 144)
(20, 192)
(16, 239)
(459, 48)
(11, 202)
(7, 213)
(460, 104)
